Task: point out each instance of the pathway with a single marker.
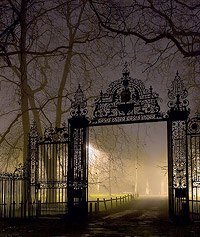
(145, 217)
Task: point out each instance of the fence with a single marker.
(14, 202)
(19, 199)
(106, 204)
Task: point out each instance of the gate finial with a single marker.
(125, 70)
(178, 103)
(79, 103)
(33, 131)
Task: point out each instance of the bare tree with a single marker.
(166, 32)
(153, 21)
(47, 47)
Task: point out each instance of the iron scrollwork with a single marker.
(55, 134)
(125, 100)
(78, 181)
(20, 173)
(40, 147)
(52, 185)
(34, 138)
(51, 134)
(194, 124)
(179, 154)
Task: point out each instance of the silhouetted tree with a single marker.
(46, 48)
(153, 21)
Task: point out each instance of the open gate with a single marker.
(60, 158)
(128, 101)
(55, 178)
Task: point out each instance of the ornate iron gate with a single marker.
(49, 155)
(55, 178)
(128, 101)
(194, 166)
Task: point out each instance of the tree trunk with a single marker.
(24, 105)
(23, 81)
(62, 87)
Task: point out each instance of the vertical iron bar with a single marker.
(191, 157)
(170, 170)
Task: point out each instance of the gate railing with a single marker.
(14, 199)
(21, 199)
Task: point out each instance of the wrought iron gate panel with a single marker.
(177, 149)
(180, 168)
(194, 166)
(179, 154)
(52, 178)
(49, 156)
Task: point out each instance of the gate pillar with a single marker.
(177, 150)
(33, 167)
(77, 176)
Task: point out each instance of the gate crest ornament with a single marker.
(125, 100)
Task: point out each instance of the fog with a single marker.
(128, 159)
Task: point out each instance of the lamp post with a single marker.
(136, 165)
